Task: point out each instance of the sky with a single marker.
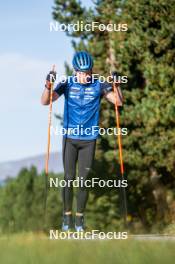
(27, 52)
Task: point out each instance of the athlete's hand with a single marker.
(115, 78)
(117, 90)
(50, 79)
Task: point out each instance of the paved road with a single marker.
(152, 237)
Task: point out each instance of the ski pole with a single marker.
(49, 124)
(117, 116)
(48, 146)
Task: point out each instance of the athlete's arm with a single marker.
(58, 91)
(45, 98)
(50, 79)
(108, 94)
(111, 97)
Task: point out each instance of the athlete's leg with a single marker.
(85, 160)
(70, 155)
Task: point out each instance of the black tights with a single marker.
(81, 151)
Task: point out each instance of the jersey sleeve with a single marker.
(105, 88)
(60, 88)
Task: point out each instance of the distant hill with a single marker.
(12, 168)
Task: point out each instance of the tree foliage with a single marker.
(22, 204)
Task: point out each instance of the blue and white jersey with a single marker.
(81, 107)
